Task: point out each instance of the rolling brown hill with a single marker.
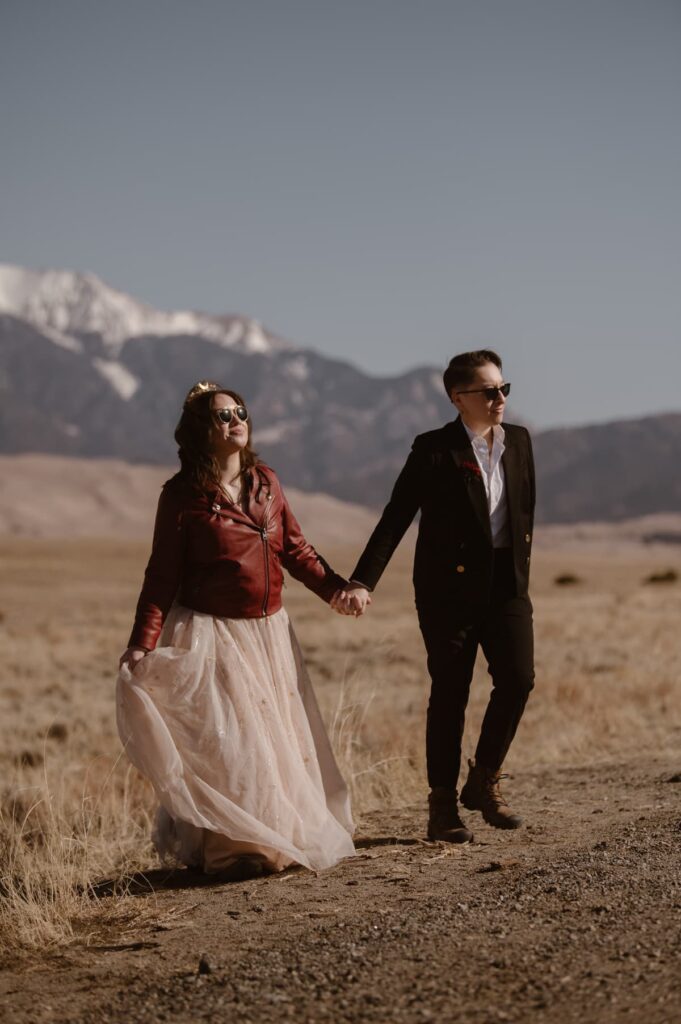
(50, 496)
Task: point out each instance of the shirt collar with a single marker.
(498, 434)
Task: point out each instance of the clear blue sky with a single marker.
(386, 181)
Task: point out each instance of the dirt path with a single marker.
(575, 918)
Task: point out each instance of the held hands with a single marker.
(130, 657)
(351, 600)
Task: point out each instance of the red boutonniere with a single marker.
(471, 469)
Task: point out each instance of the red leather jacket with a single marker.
(216, 558)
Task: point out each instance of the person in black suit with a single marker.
(473, 481)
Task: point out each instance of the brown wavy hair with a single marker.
(194, 437)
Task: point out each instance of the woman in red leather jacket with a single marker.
(220, 716)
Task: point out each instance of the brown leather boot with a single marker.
(444, 822)
(482, 793)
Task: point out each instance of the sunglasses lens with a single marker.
(225, 415)
(491, 394)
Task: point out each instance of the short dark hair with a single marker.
(461, 369)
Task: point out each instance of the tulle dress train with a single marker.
(222, 718)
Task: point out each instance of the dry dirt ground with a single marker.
(575, 917)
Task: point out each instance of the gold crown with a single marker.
(200, 388)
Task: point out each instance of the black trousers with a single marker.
(504, 631)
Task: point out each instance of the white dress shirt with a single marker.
(494, 481)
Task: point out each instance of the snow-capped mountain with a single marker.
(69, 307)
(66, 305)
(87, 370)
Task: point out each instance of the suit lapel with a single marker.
(511, 461)
(462, 452)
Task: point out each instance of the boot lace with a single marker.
(493, 789)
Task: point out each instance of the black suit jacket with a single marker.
(454, 557)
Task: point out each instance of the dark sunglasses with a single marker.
(226, 415)
(491, 394)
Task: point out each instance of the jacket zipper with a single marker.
(266, 554)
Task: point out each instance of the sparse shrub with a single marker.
(667, 576)
(28, 759)
(566, 579)
(57, 731)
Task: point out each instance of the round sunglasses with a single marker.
(491, 393)
(227, 415)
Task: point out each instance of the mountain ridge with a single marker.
(76, 379)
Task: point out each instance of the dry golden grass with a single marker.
(72, 812)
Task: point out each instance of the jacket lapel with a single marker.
(462, 452)
(259, 499)
(253, 515)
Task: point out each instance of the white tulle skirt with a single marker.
(222, 719)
